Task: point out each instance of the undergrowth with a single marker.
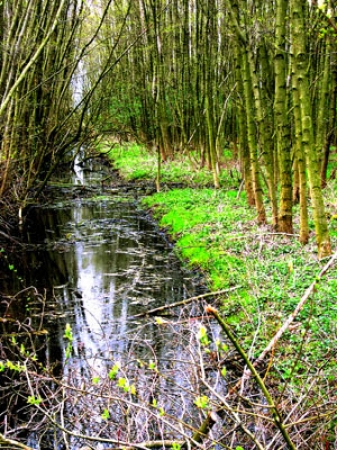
(215, 231)
(134, 162)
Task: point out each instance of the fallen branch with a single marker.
(252, 365)
(275, 412)
(148, 444)
(9, 238)
(185, 302)
(10, 443)
(296, 311)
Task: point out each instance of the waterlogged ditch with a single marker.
(89, 360)
(91, 262)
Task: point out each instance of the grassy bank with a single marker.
(215, 231)
(134, 162)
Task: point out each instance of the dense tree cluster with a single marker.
(257, 75)
(186, 77)
(208, 80)
(38, 59)
(44, 110)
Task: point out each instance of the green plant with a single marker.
(202, 402)
(34, 401)
(68, 335)
(176, 446)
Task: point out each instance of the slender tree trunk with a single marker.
(282, 124)
(210, 93)
(332, 118)
(250, 113)
(300, 70)
(241, 119)
(300, 164)
(252, 141)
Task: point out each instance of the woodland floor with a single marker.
(216, 232)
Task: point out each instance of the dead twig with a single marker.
(185, 302)
(12, 443)
(296, 311)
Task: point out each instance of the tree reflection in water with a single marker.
(97, 262)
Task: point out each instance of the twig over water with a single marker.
(185, 302)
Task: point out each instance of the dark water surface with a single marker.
(97, 260)
(104, 261)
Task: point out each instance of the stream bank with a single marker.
(216, 231)
(176, 368)
(89, 260)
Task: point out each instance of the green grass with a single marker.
(134, 162)
(216, 233)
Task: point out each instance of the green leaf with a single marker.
(114, 370)
(321, 4)
(68, 334)
(124, 384)
(33, 400)
(203, 338)
(152, 365)
(202, 402)
(69, 350)
(105, 415)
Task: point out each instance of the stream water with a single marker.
(105, 261)
(98, 260)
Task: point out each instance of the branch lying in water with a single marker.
(12, 443)
(185, 302)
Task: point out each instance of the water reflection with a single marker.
(100, 261)
(104, 262)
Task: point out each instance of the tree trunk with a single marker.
(300, 165)
(300, 71)
(252, 141)
(282, 123)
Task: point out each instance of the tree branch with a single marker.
(296, 311)
(276, 415)
(185, 302)
(13, 444)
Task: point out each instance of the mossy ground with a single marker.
(216, 231)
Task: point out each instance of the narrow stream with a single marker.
(105, 262)
(99, 260)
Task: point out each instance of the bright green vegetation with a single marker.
(134, 162)
(216, 231)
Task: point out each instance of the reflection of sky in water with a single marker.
(106, 263)
(78, 172)
(122, 267)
